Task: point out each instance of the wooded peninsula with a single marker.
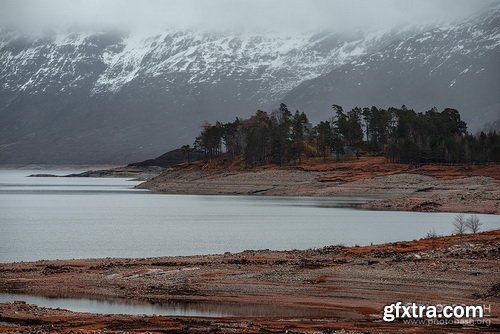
(401, 134)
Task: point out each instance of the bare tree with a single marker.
(473, 224)
(460, 224)
(431, 234)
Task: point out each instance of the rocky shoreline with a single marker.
(349, 284)
(385, 186)
(462, 188)
(137, 173)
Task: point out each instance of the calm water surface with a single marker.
(64, 218)
(129, 307)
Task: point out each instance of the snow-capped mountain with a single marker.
(457, 66)
(113, 98)
(111, 62)
(107, 97)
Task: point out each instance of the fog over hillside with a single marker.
(121, 81)
(256, 15)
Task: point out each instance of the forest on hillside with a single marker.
(401, 134)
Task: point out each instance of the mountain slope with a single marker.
(108, 97)
(456, 66)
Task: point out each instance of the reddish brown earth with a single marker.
(445, 188)
(339, 289)
(379, 166)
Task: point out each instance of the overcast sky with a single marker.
(274, 15)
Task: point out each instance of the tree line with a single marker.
(403, 135)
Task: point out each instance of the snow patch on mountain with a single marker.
(107, 63)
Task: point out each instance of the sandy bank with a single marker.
(474, 189)
(352, 283)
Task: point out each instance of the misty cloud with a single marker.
(254, 15)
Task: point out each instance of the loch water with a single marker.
(66, 218)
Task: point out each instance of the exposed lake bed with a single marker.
(335, 286)
(389, 186)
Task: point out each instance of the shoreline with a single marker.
(350, 283)
(393, 187)
(462, 188)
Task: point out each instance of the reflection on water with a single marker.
(205, 309)
(65, 218)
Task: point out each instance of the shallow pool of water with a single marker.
(205, 309)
